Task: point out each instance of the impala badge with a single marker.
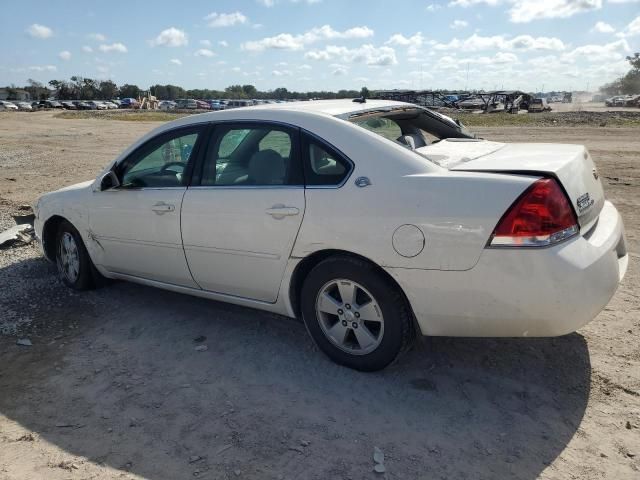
(584, 202)
(362, 182)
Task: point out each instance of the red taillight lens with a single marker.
(541, 216)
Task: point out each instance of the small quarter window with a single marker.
(324, 165)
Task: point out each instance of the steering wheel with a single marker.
(167, 166)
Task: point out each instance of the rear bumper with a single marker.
(523, 292)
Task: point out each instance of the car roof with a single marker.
(331, 107)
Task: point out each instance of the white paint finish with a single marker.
(235, 241)
(408, 241)
(241, 254)
(137, 240)
(449, 153)
(522, 292)
(446, 207)
(571, 164)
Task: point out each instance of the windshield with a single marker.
(411, 126)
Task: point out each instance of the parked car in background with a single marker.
(166, 105)
(216, 105)
(128, 103)
(116, 102)
(539, 105)
(5, 105)
(24, 106)
(186, 103)
(53, 104)
(69, 105)
(97, 105)
(110, 105)
(202, 105)
(81, 105)
(239, 103)
(617, 101)
(632, 101)
(348, 216)
(472, 103)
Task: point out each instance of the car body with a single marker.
(81, 105)
(202, 105)
(69, 105)
(186, 104)
(472, 103)
(216, 105)
(348, 215)
(5, 105)
(24, 106)
(128, 103)
(166, 105)
(617, 101)
(97, 105)
(239, 103)
(632, 101)
(110, 105)
(539, 105)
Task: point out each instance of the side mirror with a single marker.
(109, 180)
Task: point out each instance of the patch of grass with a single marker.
(125, 115)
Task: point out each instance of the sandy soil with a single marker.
(113, 386)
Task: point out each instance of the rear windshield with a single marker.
(413, 127)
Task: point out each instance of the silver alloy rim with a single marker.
(68, 257)
(350, 316)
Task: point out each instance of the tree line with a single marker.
(82, 88)
(627, 84)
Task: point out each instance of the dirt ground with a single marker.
(113, 386)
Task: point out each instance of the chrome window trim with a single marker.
(245, 187)
(138, 189)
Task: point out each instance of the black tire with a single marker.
(85, 276)
(398, 330)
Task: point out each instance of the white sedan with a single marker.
(4, 105)
(372, 221)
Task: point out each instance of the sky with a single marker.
(307, 45)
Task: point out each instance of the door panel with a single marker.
(139, 231)
(137, 225)
(238, 239)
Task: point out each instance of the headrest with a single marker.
(266, 167)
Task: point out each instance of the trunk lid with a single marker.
(571, 165)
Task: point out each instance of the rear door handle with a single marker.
(280, 211)
(162, 207)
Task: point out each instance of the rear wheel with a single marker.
(73, 262)
(354, 314)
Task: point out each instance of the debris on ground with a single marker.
(201, 348)
(24, 342)
(378, 458)
(19, 233)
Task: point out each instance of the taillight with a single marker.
(541, 216)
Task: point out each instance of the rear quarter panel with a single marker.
(455, 211)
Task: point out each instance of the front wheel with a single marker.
(72, 259)
(355, 315)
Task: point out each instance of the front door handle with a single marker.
(162, 207)
(281, 211)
